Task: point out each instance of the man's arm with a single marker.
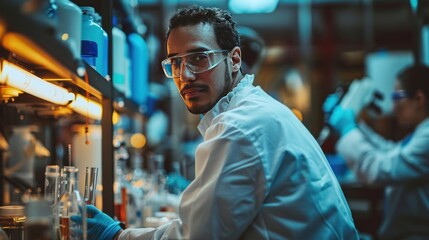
(229, 187)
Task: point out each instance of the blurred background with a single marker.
(312, 47)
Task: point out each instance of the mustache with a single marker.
(191, 86)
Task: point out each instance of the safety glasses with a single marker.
(400, 94)
(195, 62)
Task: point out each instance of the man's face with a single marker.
(405, 109)
(200, 91)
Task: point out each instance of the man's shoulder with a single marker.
(254, 97)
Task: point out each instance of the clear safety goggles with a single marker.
(195, 62)
(398, 95)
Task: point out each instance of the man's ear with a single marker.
(236, 59)
(421, 99)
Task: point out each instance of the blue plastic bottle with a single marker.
(120, 61)
(91, 31)
(139, 55)
(105, 59)
(127, 71)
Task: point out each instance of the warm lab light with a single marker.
(138, 140)
(115, 117)
(19, 78)
(2, 28)
(252, 6)
(26, 48)
(86, 107)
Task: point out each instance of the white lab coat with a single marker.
(403, 168)
(259, 175)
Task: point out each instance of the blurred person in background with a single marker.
(253, 50)
(259, 173)
(403, 167)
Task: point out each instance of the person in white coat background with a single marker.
(259, 173)
(402, 167)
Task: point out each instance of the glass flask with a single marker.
(120, 184)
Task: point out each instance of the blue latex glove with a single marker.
(176, 183)
(342, 120)
(100, 225)
(330, 103)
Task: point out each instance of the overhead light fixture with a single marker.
(252, 6)
(8, 93)
(90, 108)
(86, 107)
(14, 76)
(17, 77)
(26, 48)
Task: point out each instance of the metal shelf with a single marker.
(30, 39)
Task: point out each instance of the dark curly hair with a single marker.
(414, 78)
(227, 36)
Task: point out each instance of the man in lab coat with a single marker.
(403, 167)
(259, 173)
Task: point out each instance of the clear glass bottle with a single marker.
(120, 185)
(135, 191)
(155, 200)
(72, 203)
(52, 193)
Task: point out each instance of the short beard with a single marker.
(227, 87)
(228, 83)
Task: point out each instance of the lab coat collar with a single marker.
(223, 103)
(422, 125)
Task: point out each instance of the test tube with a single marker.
(90, 185)
(52, 175)
(63, 179)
